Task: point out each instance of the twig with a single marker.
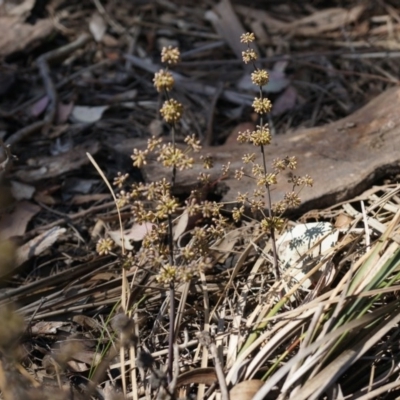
(50, 91)
(26, 131)
(206, 340)
(58, 85)
(42, 63)
(69, 218)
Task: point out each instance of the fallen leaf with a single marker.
(21, 191)
(136, 233)
(46, 327)
(79, 185)
(37, 245)
(312, 239)
(48, 167)
(181, 225)
(97, 27)
(86, 114)
(15, 223)
(64, 110)
(326, 20)
(39, 107)
(343, 222)
(245, 390)
(87, 323)
(15, 35)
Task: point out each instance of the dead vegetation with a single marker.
(76, 78)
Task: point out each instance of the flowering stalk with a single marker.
(261, 137)
(172, 113)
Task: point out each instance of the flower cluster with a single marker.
(154, 206)
(260, 137)
(157, 206)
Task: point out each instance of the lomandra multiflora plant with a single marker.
(261, 137)
(155, 206)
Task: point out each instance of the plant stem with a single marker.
(171, 337)
(271, 214)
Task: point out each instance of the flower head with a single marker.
(163, 80)
(292, 199)
(249, 55)
(247, 37)
(171, 111)
(104, 246)
(262, 105)
(170, 55)
(260, 77)
(261, 136)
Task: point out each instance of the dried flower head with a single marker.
(242, 197)
(308, 181)
(249, 55)
(167, 206)
(120, 179)
(267, 180)
(260, 77)
(153, 143)
(170, 55)
(279, 164)
(262, 105)
(123, 198)
(193, 143)
(163, 80)
(225, 168)
(204, 178)
(171, 111)
(244, 137)
(292, 199)
(139, 157)
(167, 274)
(279, 208)
(248, 158)
(247, 37)
(237, 213)
(291, 162)
(104, 246)
(171, 156)
(208, 162)
(239, 173)
(269, 223)
(261, 136)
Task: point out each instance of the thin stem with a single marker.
(173, 129)
(171, 337)
(174, 166)
(269, 200)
